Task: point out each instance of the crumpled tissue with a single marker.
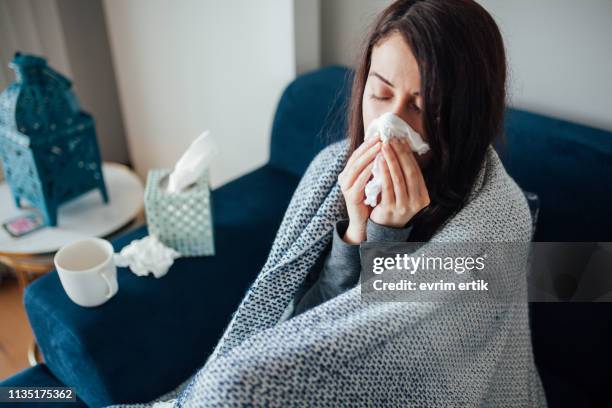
(389, 125)
(147, 255)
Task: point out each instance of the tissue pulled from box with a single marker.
(192, 163)
(389, 125)
(147, 255)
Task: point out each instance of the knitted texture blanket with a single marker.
(348, 352)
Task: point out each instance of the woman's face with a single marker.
(393, 85)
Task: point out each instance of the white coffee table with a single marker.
(86, 216)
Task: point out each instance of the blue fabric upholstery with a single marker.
(310, 115)
(569, 167)
(39, 376)
(114, 353)
(156, 332)
(571, 343)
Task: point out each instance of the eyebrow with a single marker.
(386, 81)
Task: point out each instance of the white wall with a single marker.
(189, 65)
(560, 56)
(559, 51)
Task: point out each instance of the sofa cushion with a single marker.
(39, 376)
(154, 333)
(569, 167)
(563, 393)
(571, 343)
(310, 115)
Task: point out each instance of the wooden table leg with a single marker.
(22, 272)
(22, 279)
(33, 354)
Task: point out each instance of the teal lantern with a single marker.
(48, 145)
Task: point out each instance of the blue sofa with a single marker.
(156, 332)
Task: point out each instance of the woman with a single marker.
(302, 335)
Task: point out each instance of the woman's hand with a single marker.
(353, 180)
(404, 192)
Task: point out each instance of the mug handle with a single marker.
(110, 293)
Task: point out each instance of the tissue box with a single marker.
(182, 221)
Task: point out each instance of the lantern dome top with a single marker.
(39, 104)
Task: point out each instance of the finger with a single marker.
(362, 149)
(363, 178)
(397, 176)
(360, 164)
(388, 196)
(412, 172)
(346, 172)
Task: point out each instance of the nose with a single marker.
(400, 109)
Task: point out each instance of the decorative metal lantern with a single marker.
(48, 145)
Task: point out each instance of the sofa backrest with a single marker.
(311, 114)
(569, 166)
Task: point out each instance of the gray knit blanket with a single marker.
(347, 352)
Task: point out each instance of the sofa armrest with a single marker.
(155, 333)
(39, 376)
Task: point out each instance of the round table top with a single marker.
(85, 216)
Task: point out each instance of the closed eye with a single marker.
(375, 97)
(379, 98)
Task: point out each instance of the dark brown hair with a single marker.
(462, 65)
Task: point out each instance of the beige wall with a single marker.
(307, 34)
(560, 56)
(183, 67)
(71, 34)
(559, 51)
(89, 54)
(344, 25)
(31, 26)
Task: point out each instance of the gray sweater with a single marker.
(338, 269)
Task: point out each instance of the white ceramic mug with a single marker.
(87, 271)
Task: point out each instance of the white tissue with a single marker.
(147, 255)
(192, 163)
(389, 125)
